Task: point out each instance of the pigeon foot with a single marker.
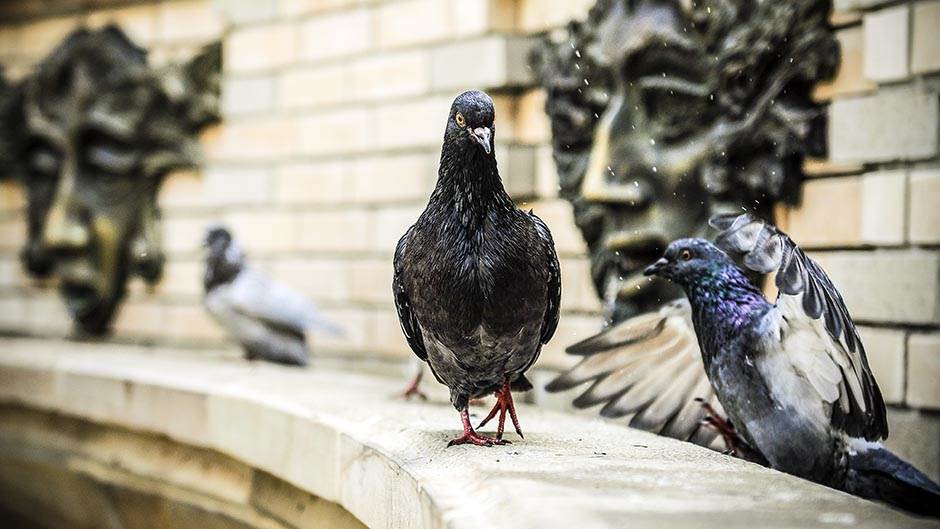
(471, 437)
(503, 404)
(736, 446)
(414, 388)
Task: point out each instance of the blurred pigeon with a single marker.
(268, 319)
(792, 376)
(477, 283)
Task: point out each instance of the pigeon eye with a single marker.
(685, 255)
(460, 119)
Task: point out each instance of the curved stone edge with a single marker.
(338, 436)
(61, 471)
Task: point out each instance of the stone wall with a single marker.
(333, 116)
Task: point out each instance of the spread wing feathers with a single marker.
(550, 322)
(255, 295)
(649, 366)
(261, 340)
(409, 324)
(822, 342)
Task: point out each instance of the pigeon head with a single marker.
(218, 238)
(470, 123)
(225, 259)
(690, 260)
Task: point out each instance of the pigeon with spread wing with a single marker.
(792, 376)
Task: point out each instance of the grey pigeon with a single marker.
(792, 376)
(268, 319)
(477, 283)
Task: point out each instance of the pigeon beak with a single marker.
(656, 267)
(483, 136)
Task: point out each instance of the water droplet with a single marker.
(652, 141)
(654, 169)
(577, 53)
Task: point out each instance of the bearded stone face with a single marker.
(666, 112)
(94, 132)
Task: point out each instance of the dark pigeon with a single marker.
(792, 376)
(477, 283)
(268, 319)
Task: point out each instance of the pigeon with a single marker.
(268, 319)
(477, 284)
(792, 376)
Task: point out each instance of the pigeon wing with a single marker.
(649, 367)
(255, 295)
(550, 321)
(406, 317)
(818, 333)
(261, 339)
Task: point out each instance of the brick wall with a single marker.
(334, 112)
(870, 213)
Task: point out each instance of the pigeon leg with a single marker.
(503, 404)
(720, 425)
(736, 446)
(469, 436)
(414, 388)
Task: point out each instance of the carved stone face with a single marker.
(666, 112)
(97, 131)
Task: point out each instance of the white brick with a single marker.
(247, 96)
(260, 47)
(897, 123)
(312, 87)
(488, 62)
(312, 183)
(924, 220)
(336, 35)
(392, 178)
(885, 350)
(412, 21)
(341, 131)
(190, 20)
(233, 185)
(886, 42)
(925, 44)
(924, 370)
(392, 75)
(414, 123)
(883, 204)
(887, 286)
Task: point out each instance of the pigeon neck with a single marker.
(220, 270)
(724, 303)
(469, 181)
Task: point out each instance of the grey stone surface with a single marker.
(340, 437)
(896, 123)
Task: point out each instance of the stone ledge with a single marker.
(339, 437)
